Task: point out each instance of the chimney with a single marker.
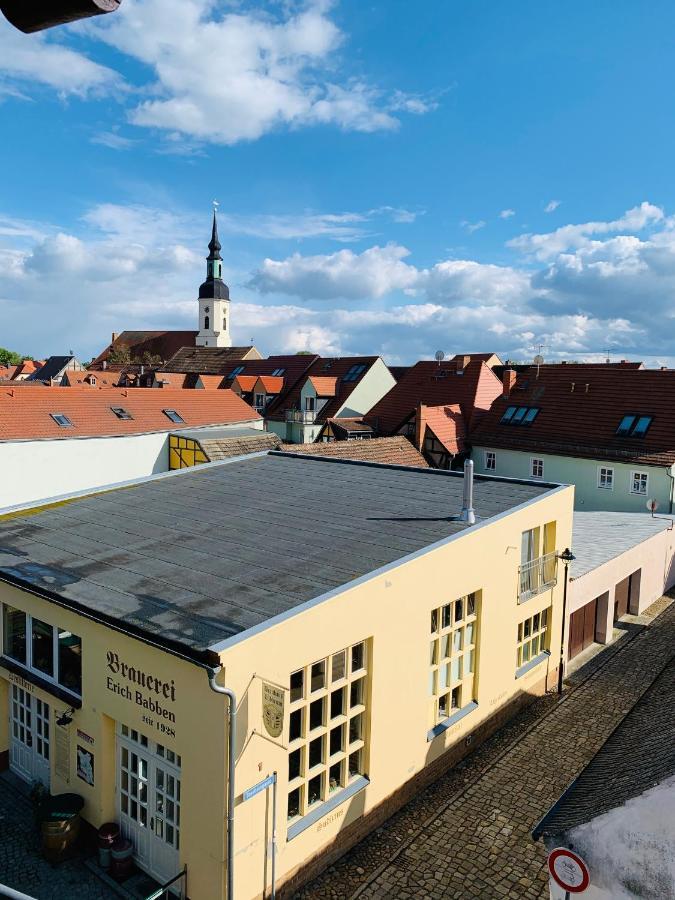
(104, 364)
(115, 335)
(462, 363)
(508, 380)
(468, 514)
(420, 425)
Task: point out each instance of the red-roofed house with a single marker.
(609, 430)
(58, 441)
(440, 435)
(330, 389)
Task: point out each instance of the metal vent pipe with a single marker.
(468, 514)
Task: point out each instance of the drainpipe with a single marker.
(231, 750)
(669, 473)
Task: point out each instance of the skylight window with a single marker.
(121, 413)
(278, 372)
(174, 416)
(633, 425)
(519, 415)
(354, 372)
(61, 420)
(236, 371)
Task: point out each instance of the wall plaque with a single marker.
(273, 709)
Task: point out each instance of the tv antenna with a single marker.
(538, 360)
(652, 506)
(439, 356)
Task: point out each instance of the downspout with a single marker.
(669, 473)
(231, 750)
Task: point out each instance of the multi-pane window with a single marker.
(51, 652)
(633, 425)
(536, 467)
(532, 637)
(519, 415)
(327, 728)
(490, 460)
(606, 478)
(639, 482)
(452, 656)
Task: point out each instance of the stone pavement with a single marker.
(22, 866)
(468, 835)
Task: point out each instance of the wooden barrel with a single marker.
(59, 837)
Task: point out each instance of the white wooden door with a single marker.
(149, 802)
(30, 736)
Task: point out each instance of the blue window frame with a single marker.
(634, 425)
(519, 415)
(508, 415)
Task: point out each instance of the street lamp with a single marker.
(567, 557)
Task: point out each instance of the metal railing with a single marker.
(537, 575)
(164, 890)
(301, 416)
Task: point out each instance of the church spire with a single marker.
(214, 287)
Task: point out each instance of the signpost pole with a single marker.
(274, 837)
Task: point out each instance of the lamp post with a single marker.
(567, 557)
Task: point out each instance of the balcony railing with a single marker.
(537, 575)
(301, 416)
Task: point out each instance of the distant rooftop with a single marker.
(193, 558)
(600, 536)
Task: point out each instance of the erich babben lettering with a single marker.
(131, 675)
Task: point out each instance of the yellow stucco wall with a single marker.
(392, 611)
(200, 733)
(185, 453)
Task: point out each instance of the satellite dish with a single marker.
(439, 356)
(652, 506)
(538, 360)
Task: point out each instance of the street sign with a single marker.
(568, 870)
(260, 786)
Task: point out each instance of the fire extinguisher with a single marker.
(36, 15)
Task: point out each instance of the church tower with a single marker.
(214, 299)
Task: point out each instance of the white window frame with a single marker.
(260, 401)
(490, 456)
(640, 475)
(606, 487)
(28, 665)
(533, 460)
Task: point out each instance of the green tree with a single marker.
(10, 358)
(119, 356)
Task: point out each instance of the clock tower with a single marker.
(214, 299)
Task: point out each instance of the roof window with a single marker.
(61, 420)
(519, 415)
(174, 416)
(633, 425)
(354, 373)
(236, 371)
(121, 413)
(278, 372)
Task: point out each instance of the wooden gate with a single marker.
(582, 628)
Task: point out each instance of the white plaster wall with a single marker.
(629, 851)
(377, 382)
(655, 556)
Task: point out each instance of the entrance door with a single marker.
(29, 736)
(148, 791)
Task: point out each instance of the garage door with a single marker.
(582, 628)
(621, 595)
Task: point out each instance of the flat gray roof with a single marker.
(193, 559)
(600, 536)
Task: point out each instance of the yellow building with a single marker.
(368, 632)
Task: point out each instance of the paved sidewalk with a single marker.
(469, 834)
(22, 866)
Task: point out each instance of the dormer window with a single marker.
(634, 425)
(519, 415)
(121, 413)
(61, 420)
(175, 417)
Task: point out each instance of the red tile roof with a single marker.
(245, 383)
(26, 415)
(436, 384)
(170, 380)
(447, 425)
(324, 387)
(580, 408)
(395, 450)
(158, 343)
(325, 369)
(272, 384)
(209, 382)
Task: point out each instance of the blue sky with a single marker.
(457, 176)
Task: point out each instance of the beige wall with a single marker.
(392, 610)
(200, 730)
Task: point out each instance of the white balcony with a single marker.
(301, 416)
(537, 576)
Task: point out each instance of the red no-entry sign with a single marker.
(568, 870)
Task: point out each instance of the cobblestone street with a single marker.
(22, 866)
(468, 835)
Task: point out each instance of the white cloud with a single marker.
(226, 76)
(551, 206)
(574, 237)
(507, 213)
(113, 140)
(38, 59)
(473, 226)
